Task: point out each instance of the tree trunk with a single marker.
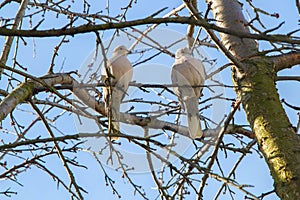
(255, 78)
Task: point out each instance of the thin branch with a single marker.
(109, 181)
(237, 186)
(173, 12)
(216, 149)
(59, 152)
(150, 163)
(290, 105)
(55, 177)
(298, 5)
(55, 54)
(247, 148)
(9, 39)
(217, 71)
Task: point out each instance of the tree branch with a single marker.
(298, 5)
(59, 153)
(9, 39)
(27, 89)
(87, 28)
(216, 148)
(228, 15)
(212, 35)
(287, 60)
(288, 78)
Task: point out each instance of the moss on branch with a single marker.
(275, 134)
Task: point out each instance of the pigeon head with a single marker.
(183, 52)
(120, 50)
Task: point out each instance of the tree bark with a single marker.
(255, 79)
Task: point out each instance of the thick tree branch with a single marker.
(27, 89)
(87, 28)
(228, 15)
(212, 35)
(288, 78)
(275, 136)
(287, 60)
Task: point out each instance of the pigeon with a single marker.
(120, 73)
(188, 71)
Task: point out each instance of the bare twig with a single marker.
(173, 12)
(247, 148)
(55, 54)
(216, 149)
(9, 39)
(73, 182)
(150, 163)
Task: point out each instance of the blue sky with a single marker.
(36, 56)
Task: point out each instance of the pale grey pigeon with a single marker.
(188, 71)
(120, 70)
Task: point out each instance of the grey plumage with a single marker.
(121, 74)
(188, 71)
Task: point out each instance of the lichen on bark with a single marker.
(256, 87)
(275, 135)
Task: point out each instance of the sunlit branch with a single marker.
(212, 34)
(27, 90)
(287, 60)
(87, 28)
